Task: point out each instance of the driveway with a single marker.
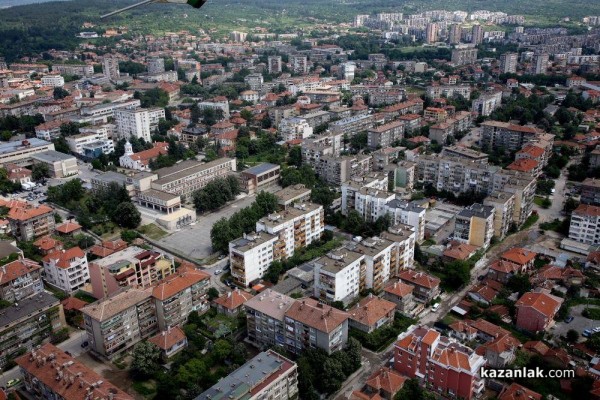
(579, 323)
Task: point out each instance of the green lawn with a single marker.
(153, 231)
(592, 313)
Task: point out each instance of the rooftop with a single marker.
(316, 315)
(271, 303)
(27, 307)
(9, 147)
(16, 269)
(52, 156)
(371, 310)
(261, 169)
(186, 168)
(108, 308)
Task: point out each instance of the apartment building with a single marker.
(50, 373)
(448, 91)
(460, 122)
(74, 69)
(351, 188)
(316, 147)
(129, 267)
(585, 224)
(110, 68)
(407, 213)
(510, 137)
(378, 260)
(294, 227)
(278, 114)
(291, 195)
(139, 123)
(116, 324)
(265, 314)
(66, 270)
(49, 130)
(28, 222)
(29, 322)
(403, 238)
(509, 62)
(350, 126)
(536, 311)
(298, 64)
(401, 295)
(20, 279)
(53, 81)
(188, 176)
(485, 104)
(475, 225)
(465, 153)
(20, 152)
(522, 186)
(385, 135)
(250, 256)
(89, 139)
(590, 192)
(340, 275)
(338, 169)
(394, 111)
(274, 64)
(504, 205)
(269, 375)
(311, 324)
(180, 294)
(294, 128)
(445, 366)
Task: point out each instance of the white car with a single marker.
(218, 271)
(435, 307)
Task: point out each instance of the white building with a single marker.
(338, 276)
(255, 81)
(53, 81)
(66, 269)
(88, 136)
(110, 68)
(274, 64)
(139, 123)
(251, 96)
(299, 64)
(403, 250)
(250, 256)
(294, 128)
(585, 224)
(486, 103)
(408, 213)
(378, 257)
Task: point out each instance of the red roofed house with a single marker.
(427, 287)
(536, 310)
(384, 382)
(371, 313)
(18, 174)
(401, 294)
(141, 161)
(28, 222)
(73, 380)
(69, 228)
(526, 165)
(447, 367)
(518, 392)
(231, 303)
(522, 257)
(502, 270)
(532, 152)
(170, 342)
(20, 279)
(66, 270)
(47, 245)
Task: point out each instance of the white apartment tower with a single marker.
(139, 123)
(110, 68)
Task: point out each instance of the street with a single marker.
(72, 345)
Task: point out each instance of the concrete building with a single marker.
(431, 33)
(180, 294)
(110, 68)
(28, 222)
(540, 63)
(250, 257)
(50, 130)
(66, 270)
(265, 314)
(50, 373)
(511, 137)
(585, 224)
(129, 267)
(435, 92)
(53, 81)
(259, 177)
(74, 69)
(339, 276)
(508, 63)
(298, 64)
(378, 260)
(116, 324)
(350, 126)
(89, 139)
(188, 176)
(536, 311)
(477, 34)
(268, 375)
(503, 204)
(590, 192)
(274, 64)
(291, 195)
(20, 152)
(60, 165)
(139, 123)
(485, 104)
(295, 128)
(29, 322)
(404, 239)
(464, 55)
(385, 135)
(475, 225)
(443, 364)
(371, 313)
(156, 65)
(310, 324)
(20, 279)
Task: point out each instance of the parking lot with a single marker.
(194, 240)
(579, 323)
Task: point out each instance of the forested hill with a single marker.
(35, 28)
(12, 3)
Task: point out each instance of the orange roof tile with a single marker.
(523, 165)
(419, 279)
(175, 283)
(68, 227)
(169, 338)
(316, 315)
(519, 255)
(16, 269)
(544, 303)
(62, 257)
(518, 392)
(371, 310)
(234, 299)
(47, 243)
(399, 289)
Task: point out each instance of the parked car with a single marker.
(218, 271)
(569, 319)
(435, 307)
(586, 333)
(13, 382)
(85, 344)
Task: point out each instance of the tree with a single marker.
(129, 235)
(145, 361)
(212, 294)
(519, 283)
(127, 215)
(295, 156)
(85, 241)
(39, 171)
(572, 335)
(59, 93)
(354, 350)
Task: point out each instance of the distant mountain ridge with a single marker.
(13, 3)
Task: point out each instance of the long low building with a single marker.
(21, 152)
(60, 165)
(188, 176)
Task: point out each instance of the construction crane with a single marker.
(193, 3)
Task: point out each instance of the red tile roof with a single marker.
(371, 310)
(316, 315)
(169, 338)
(177, 282)
(386, 379)
(74, 379)
(588, 210)
(419, 279)
(234, 299)
(532, 150)
(62, 257)
(73, 303)
(519, 255)
(518, 392)
(543, 303)
(523, 165)
(399, 289)
(16, 269)
(47, 243)
(68, 227)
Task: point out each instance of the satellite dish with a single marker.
(193, 3)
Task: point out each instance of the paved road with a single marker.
(72, 345)
(558, 200)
